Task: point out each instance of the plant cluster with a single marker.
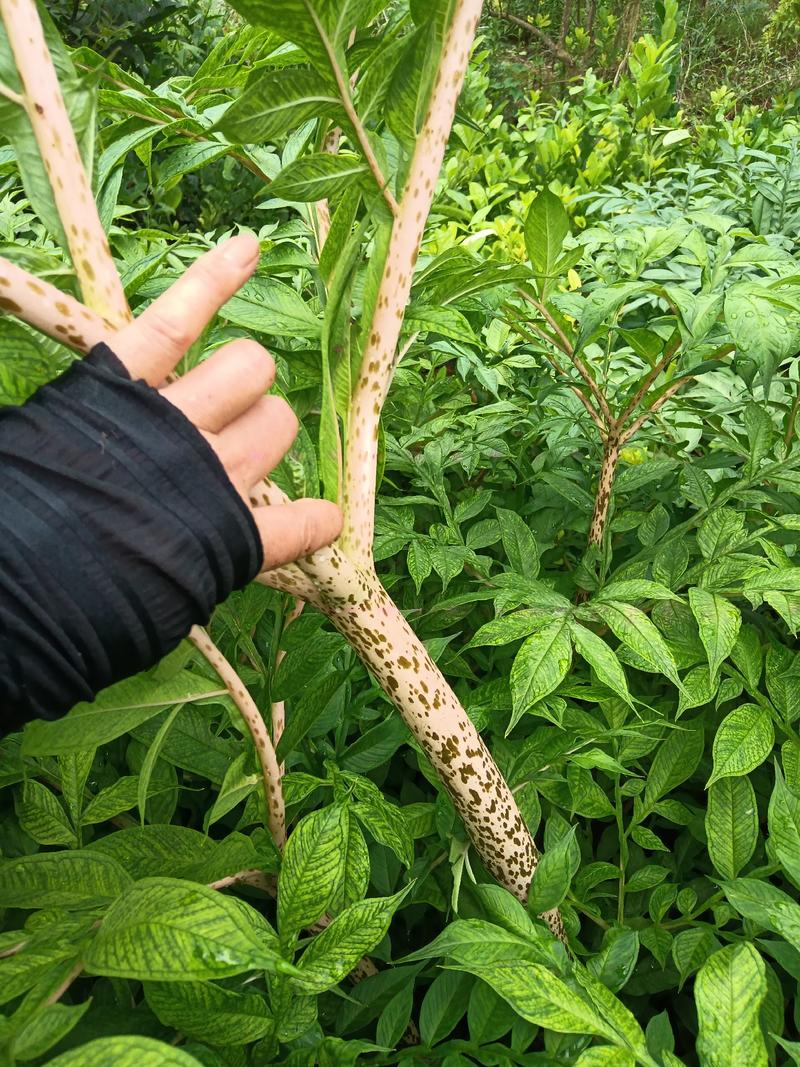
(307, 836)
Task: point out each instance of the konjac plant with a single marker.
(591, 451)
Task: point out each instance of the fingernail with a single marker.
(241, 251)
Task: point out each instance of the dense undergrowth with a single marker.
(588, 510)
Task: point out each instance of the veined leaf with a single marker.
(728, 991)
(317, 177)
(767, 906)
(60, 880)
(210, 1013)
(268, 306)
(636, 631)
(743, 741)
(539, 996)
(312, 869)
(115, 711)
(511, 627)
(125, 1051)
(334, 953)
(546, 226)
(541, 664)
(276, 101)
(731, 824)
(601, 658)
(784, 826)
(718, 622)
(172, 930)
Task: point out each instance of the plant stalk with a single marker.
(88, 245)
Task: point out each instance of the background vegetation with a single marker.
(608, 294)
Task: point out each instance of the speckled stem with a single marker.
(604, 488)
(278, 709)
(100, 284)
(362, 611)
(379, 352)
(46, 308)
(273, 794)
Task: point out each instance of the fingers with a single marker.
(255, 442)
(291, 531)
(225, 386)
(154, 342)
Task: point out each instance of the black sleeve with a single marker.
(119, 530)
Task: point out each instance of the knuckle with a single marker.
(172, 331)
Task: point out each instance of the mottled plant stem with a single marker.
(270, 772)
(278, 709)
(604, 487)
(42, 99)
(395, 285)
(46, 308)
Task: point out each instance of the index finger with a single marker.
(153, 343)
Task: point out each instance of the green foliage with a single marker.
(641, 693)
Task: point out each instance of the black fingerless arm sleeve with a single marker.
(119, 530)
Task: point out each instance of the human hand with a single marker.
(224, 397)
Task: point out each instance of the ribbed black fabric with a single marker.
(119, 530)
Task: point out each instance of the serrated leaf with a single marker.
(718, 622)
(731, 824)
(728, 991)
(743, 740)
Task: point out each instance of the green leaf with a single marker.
(760, 330)
(615, 962)
(171, 930)
(675, 761)
(60, 880)
(635, 589)
(268, 306)
(387, 824)
(636, 631)
(443, 1005)
(111, 801)
(476, 941)
(210, 1013)
(309, 706)
(541, 664)
(601, 658)
(510, 628)
(520, 546)
(41, 814)
(605, 1056)
(784, 826)
(334, 953)
(728, 991)
(731, 824)
(151, 759)
(718, 622)
(125, 1051)
(743, 741)
(546, 226)
(312, 869)
(554, 874)
(317, 177)
(46, 1028)
(275, 102)
(771, 908)
(541, 997)
(598, 308)
(691, 948)
(114, 712)
(236, 787)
